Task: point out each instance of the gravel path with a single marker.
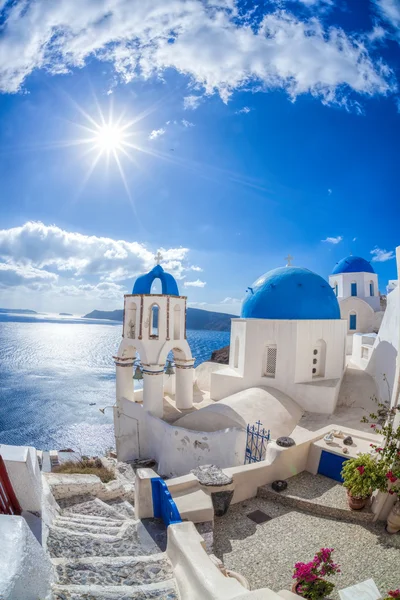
(265, 554)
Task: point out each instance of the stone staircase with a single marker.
(100, 552)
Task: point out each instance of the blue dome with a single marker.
(143, 283)
(290, 293)
(352, 264)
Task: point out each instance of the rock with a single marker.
(348, 441)
(279, 485)
(285, 442)
(221, 356)
(211, 475)
(142, 463)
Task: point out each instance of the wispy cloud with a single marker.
(157, 133)
(198, 283)
(212, 46)
(186, 123)
(195, 268)
(192, 102)
(354, 239)
(230, 300)
(329, 191)
(379, 255)
(333, 240)
(243, 111)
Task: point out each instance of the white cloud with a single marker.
(197, 283)
(313, 3)
(208, 42)
(36, 256)
(390, 12)
(333, 240)
(156, 133)
(380, 255)
(186, 123)
(230, 300)
(243, 111)
(192, 102)
(329, 191)
(195, 268)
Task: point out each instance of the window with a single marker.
(154, 321)
(318, 359)
(353, 321)
(371, 288)
(236, 355)
(336, 289)
(269, 369)
(177, 322)
(353, 288)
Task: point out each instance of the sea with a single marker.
(57, 372)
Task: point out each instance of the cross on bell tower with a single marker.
(158, 257)
(289, 259)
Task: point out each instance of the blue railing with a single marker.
(256, 445)
(164, 506)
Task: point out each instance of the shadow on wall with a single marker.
(382, 366)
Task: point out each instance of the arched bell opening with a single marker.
(154, 322)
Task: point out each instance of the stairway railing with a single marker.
(9, 504)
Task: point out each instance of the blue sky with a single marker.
(239, 135)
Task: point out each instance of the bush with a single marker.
(86, 466)
(310, 576)
(363, 475)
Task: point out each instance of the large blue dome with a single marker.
(353, 264)
(144, 282)
(290, 293)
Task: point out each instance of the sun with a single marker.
(109, 138)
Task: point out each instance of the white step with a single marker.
(154, 591)
(194, 505)
(90, 520)
(112, 571)
(104, 528)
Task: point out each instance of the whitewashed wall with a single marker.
(365, 315)
(24, 473)
(295, 341)
(386, 347)
(176, 449)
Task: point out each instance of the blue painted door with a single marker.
(353, 322)
(331, 465)
(354, 289)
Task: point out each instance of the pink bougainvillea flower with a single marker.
(394, 593)
(373, 426)
(361, 469)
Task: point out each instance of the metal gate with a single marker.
(256, 445)
(9, 504)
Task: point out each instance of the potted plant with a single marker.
(310, 582)
(388, 453)
(361, 476)
(393, 594)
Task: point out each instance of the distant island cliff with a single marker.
(196, 318)
(19, 311)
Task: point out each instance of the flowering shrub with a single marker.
(309, 576)
(389, 452)
(363, 475)
(393, 594)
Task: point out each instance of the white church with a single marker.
(287, 358)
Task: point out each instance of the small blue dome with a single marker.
(143, 283)
(352, 264)
(290, 293)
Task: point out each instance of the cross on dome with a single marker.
(158, 257)
(289, 259)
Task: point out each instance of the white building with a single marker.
(355, 285)
(290, 337)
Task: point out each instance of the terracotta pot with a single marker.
(356, 503)
(393, 520)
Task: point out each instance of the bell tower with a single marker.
(153, 326)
